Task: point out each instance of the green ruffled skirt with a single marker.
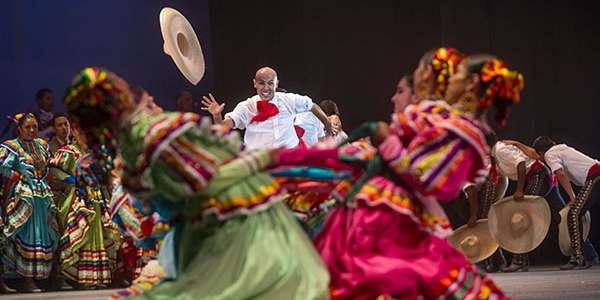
(264, 255)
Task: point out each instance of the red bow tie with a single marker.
(265, 111)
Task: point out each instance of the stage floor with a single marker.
(541, 282)
(550, 283)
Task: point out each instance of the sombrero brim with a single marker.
(182, 44)
(533, 209)
(564, 240)
(500, 187)
(486, 244)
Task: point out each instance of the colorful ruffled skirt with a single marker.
(261, 256)
(379, 245)
(242, 243)
(31, 231)
(89, 244)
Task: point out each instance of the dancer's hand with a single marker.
(331, 129)
(382, 132)
(211, 105)
(510, 142)
(518, 196)
(472, 222)
(274, 156)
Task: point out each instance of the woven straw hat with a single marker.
(475, 243)
(181, 43)
(564, 240)
(519, 227)
(500, 188)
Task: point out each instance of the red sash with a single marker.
(538, 164)
(593, 170)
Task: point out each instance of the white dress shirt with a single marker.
(276, 131)
(313, 127)
(508, 157)
(575, 164)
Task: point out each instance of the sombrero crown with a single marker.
(520, 226)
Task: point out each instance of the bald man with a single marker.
(268, 116)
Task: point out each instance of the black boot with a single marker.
(571, 265)
(496, 262)
(519, 262)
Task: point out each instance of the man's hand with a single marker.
(330, 129)
(518, 196)
(211, 105)
(472, 222)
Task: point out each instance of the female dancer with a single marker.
(404, 94)
(233, 238)
(386, 238)
(142, 234)
(483, 80)
(89, 244)
(31, 228)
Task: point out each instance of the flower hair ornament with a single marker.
(18, 117)
(90, 88)
(444, 64)
(504, 88)
(92, 100)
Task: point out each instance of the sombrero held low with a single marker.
(519, 227)
(500, 187)
(564, 240)
(181, 43)
(475, 243)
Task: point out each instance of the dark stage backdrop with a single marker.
(45, 43)
(355, 51)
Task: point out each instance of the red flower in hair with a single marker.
(444, 64)
(504, 87)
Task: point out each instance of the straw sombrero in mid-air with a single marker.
(182, 44)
